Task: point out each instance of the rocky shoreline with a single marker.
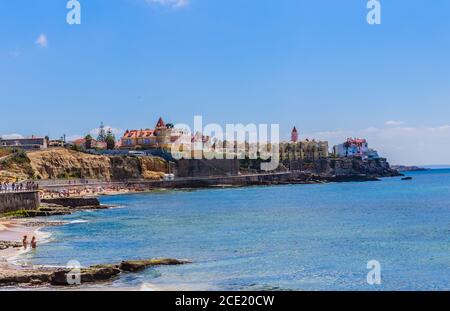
(67, 276)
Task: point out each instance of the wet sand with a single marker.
(13, 231)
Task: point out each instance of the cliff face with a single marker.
(138, 168)
(377, 167)
(125, 168)
(15, 166)
(63, 163)
(153, 168)
(60, 163)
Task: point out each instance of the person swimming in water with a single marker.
(25, 242)
(33, 242)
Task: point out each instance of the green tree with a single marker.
(88, 143)
(110, 140)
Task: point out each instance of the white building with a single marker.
(355, 147)
(32, 143)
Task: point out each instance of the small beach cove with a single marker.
(19, 274)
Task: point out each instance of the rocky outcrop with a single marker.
(39, 213)
(139, 265)
(93, 274)
(7, 244)
(73, 202)
(344, 168)
(404, 168)
(89, 275)
(11, 277)
(354, 166)
(58, 207)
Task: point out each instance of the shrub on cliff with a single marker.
(5, 152)
(18, 162)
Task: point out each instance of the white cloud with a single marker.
(400, 145)
(394, 123)
(11, 136)
(170, 3)
(42, 41)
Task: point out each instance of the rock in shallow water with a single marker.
(8, 244)
(139, 265)
(88, 275)
(93, 274)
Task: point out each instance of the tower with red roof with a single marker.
(294, 135)
(160, 123)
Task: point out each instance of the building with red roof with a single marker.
(160, 137)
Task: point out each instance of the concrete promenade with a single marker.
(184, 182)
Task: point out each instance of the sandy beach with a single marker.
(13, 231)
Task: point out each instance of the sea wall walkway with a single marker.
(185, 182)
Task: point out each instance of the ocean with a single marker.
(290, 237)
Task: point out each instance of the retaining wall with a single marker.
(16, 201)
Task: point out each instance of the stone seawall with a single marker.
(204, 168)
(204, 182)
(16, 201)
(199, 182)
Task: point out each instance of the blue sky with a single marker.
(314, 64)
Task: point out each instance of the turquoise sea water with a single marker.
(295, 237)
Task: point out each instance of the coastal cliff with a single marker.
(60, 163)
(354, 166)
(63, 163)
(350, 167)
